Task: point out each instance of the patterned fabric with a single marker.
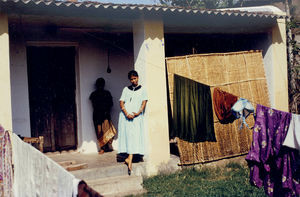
(6, 171)
(223, 102)
(272, 165)
(242, 109)
(106, 131)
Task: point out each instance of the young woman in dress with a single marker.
(131, 120)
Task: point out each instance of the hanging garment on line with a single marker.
(223, 101)
(6, 171)
(241, 110)
(192, 114)
(272, 165)
(35, 174)
(292, 139)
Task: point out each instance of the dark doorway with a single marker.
(51, 78)
(214, 43)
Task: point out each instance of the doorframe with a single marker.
(78, 134)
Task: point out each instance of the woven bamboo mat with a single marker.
(239, 73)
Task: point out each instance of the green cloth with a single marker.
(192, 114)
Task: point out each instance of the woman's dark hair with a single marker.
(132, 73)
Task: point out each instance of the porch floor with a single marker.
(94, 160)
(106, 165)
(104, 173)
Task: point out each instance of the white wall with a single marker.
(92, 64)
(265, 45)
(5, 80)
(19, 88)
(150, 62)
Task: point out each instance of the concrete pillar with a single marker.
(5, 88)
(280, 75)
(149, 58)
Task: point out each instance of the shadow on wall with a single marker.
(277, 37)
(95, 58)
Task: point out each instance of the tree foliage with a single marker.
(215, 4)
(208, 4)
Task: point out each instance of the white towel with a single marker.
(37, 175)
(75, 187)
(292, 138)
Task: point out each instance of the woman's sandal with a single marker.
(129, 169)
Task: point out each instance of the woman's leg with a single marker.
(130, 156)
(128, 161)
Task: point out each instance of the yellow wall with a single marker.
(279, 59)
(150, 63)
(5, 89)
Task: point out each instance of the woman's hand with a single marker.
(130, 116)
(127, 115)
(142, 108)
(136, 114)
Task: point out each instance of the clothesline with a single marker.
(253, 101)
(244, 98)
(271, 165)
(153, 64)
(159, 67)
(123, 50)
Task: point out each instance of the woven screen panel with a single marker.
(239, 73)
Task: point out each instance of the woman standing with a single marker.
(131, 120)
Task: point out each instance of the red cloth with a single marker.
(223, 101)
(85, 191)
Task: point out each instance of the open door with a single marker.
(51, 78)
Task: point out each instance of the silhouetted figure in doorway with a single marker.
(102, 103)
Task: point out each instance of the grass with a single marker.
(231, 180)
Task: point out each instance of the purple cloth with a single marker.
(6, 171)
(272, 165)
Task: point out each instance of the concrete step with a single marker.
(118, 185)
(109, 171)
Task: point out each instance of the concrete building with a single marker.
(60, 48)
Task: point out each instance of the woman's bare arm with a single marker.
(142, 108)
(129, 116)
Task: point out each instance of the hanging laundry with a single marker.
(6, 171)
(35, 174)
(272, 165)
(292, 139)
(241, 110)
(223, 101)
(192, 114)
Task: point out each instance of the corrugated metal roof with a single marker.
(151, 8)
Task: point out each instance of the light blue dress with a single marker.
(131, 136)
